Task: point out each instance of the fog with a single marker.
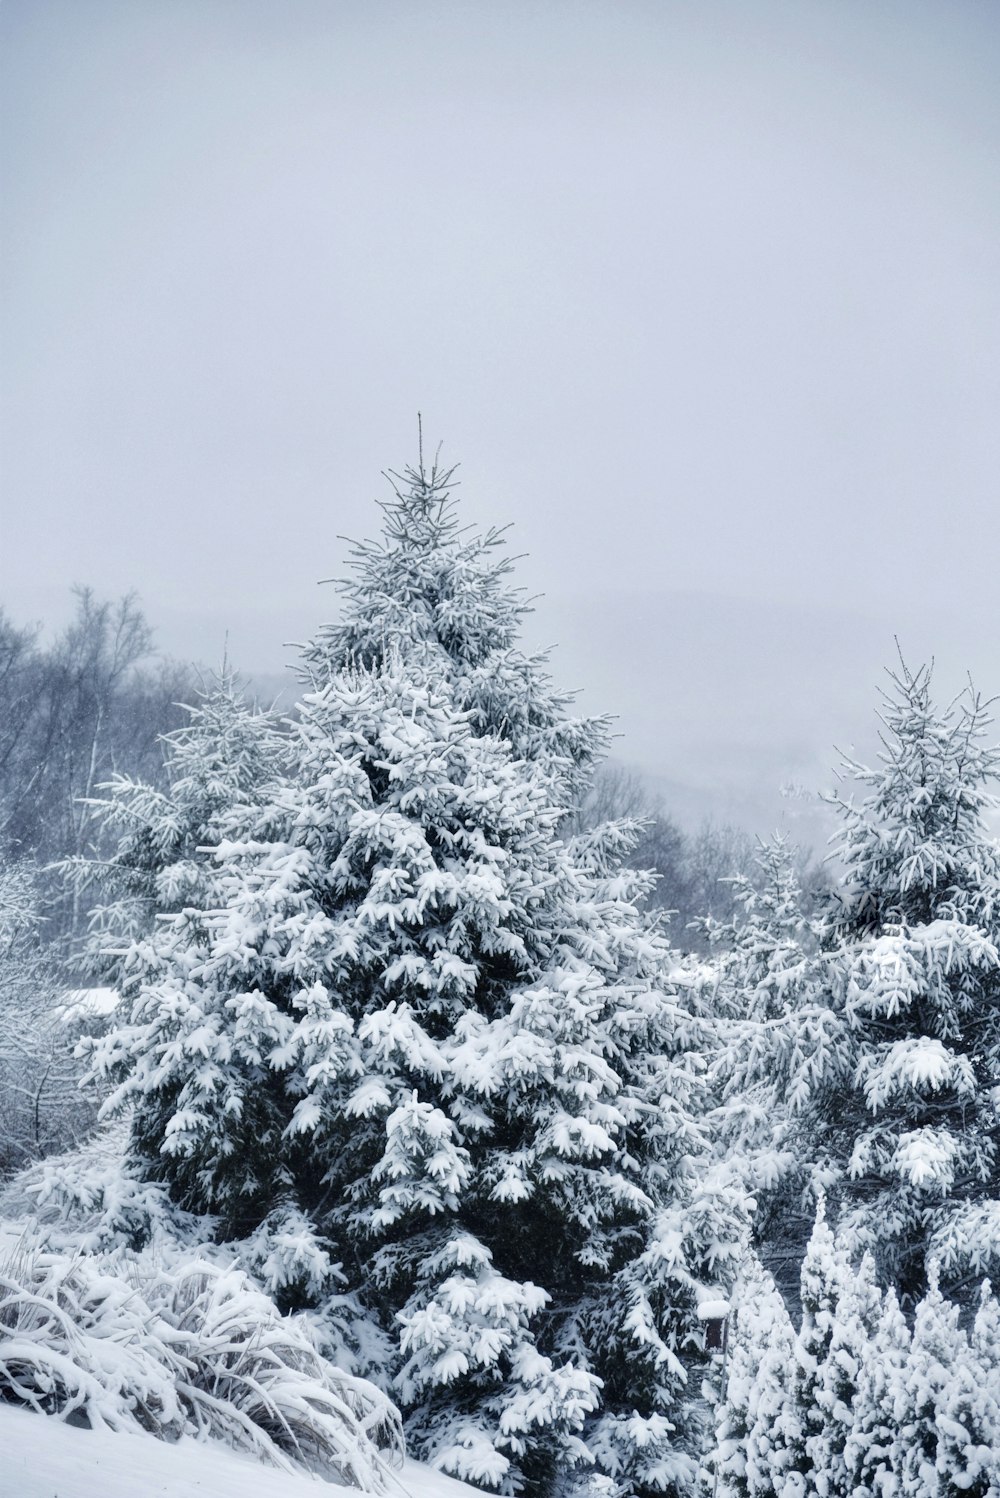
(704, 298)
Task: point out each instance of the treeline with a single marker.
(90, 703)
(698, 873)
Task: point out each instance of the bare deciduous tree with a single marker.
(42, 1108)
(696, 870)
(72, 714)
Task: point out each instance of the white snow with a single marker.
(713, 1310)
(43, 1458)
(88, 1003)
(927, 1157)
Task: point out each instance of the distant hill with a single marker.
(731, 707)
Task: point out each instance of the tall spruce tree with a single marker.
(403, 1010)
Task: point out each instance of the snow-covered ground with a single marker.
(40, 1457)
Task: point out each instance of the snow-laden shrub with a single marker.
(178, 1345)
(859, 1404)
(90, 1201)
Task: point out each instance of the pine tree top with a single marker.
(428, 585)
(438, 596)
(916, 847)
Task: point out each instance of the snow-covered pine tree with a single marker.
(409, 1016)
(758, 987)
(882, 1062)
(791, 1396)
(914, 972)
(855, 1405)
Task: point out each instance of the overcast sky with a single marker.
(704, 297)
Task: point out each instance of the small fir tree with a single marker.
(758, 1429)
(946, 1433)
(822, 1286)
(757, 987)
(855, 1405)
(214, 768)
(855, 1317)
(870, 1448)
(759, 952)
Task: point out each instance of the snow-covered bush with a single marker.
(858, 1404)
(180, 1345)
(759, 1430)
(92, 1199)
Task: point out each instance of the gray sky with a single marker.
(705, 297)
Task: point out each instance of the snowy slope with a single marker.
(43, 1458)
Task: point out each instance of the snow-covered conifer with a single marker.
(757, 987)
(855, 1314)
(915, 974)
(759, 951)
(883, 1063)
(870, 1448)
(215, 765)
(417, 1045)
(439, 594)
(856, 1405)
(801, 1438)
(822, 1283)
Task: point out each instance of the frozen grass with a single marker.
(177, 1346)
